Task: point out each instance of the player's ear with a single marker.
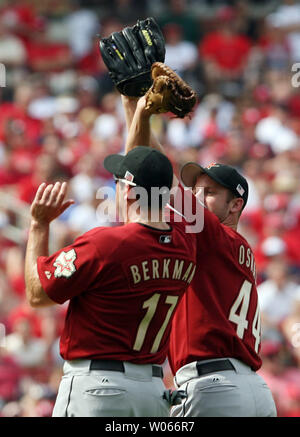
(237, 204)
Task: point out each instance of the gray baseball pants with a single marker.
(103, 393)
(240, 392)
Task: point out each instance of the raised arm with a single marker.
(48, 204)
(129, 106)
(138, 124)
(138, 127)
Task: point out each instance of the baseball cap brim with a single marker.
(191, 170)
(112, 163)
(189, 173)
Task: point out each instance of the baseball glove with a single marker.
(130, 53)
(169, 93)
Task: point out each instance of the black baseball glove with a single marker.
(130, 53)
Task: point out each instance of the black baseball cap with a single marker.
(142, 166)
(224, 175)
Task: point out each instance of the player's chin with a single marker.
(221, 215)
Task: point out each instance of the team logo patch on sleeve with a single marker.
(64, 264)
(165, 239)
(48, 274)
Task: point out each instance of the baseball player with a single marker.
(123, 285)
(216, 331)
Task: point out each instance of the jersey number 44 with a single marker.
(241, 304)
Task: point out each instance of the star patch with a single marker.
(64, 264)
(213, 164)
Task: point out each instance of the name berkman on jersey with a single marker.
(167, 268)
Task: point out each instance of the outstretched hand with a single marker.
(49, 202)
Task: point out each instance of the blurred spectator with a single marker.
(277, 297)
(83, 189)
(46, 168)
(19, 134)
(177, 11)
(20, 17)
(65, 117)
(87, 92)
(269, 248)
(275, 47)
(84, 184)
(212, 118)
(10, 378)
(108, 124)
(291, 330)
(225, 51)
(27, 350)
(82, 25)
(14, 269)
(45, 55)
(245, 21)
(12, 49)
(178, 134)
(17, 113)
(282, 375)
(128, 11)
(286, 18)
(92, 64)
(275, 131)
(181, 55)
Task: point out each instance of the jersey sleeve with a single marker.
(69, 271)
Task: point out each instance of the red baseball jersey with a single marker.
(219, 314)
(124, 284)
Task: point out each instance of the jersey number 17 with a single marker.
(152, 305)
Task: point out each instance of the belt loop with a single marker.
(157, 371)
(175, 382)
(138, 371)
(214, 366)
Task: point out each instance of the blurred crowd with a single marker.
(60, 116)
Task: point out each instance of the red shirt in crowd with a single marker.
(21, 18)
(10, 377)
(48, 56)
(10, 112)
(124, 284)
(219, 315)
(92, 63)
(229, 52)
